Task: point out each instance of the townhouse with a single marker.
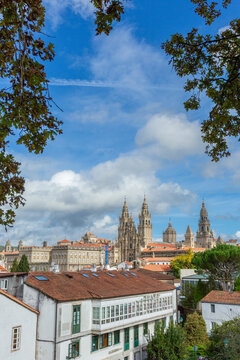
(219, 306)
(97, 315)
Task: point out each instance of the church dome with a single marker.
(170, 229)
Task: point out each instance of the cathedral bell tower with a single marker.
(145, 225)
(189, 238)
(205, 238)
(127, 241)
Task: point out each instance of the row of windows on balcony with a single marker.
(148, 305)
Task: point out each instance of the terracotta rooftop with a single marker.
(68, 286)
(2, 269)
(161, 245)
(223, 297)
(18, 301)
(9, 252)
(9, 274)
(155, 267)
(156, 274)
(159, 259)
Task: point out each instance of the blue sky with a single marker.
(125, 131)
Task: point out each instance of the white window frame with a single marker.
(18, 338)
(4, 284)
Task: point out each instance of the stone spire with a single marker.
(145, 225)
(219, 240)
(20, 245)
(8, 246)
(189, 238)
(204, 237)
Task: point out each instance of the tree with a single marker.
(25, 102)
(23, 265)
(167, 344)
(194, 293)
(182, 262)
(195, 330)
(221, 263)
(211, 64)
(14, 267)
(237, 284)
(220, 349)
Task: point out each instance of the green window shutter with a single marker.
(116, 337)
(76, 319)
(70, 351)
(135, 335)
(126, 339)
(94, 343)
(145, 329)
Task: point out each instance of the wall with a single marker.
(223, 312)
(46, 322)
(12, 315)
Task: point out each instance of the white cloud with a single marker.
(121, 59)
(170, 136)
(55, 9)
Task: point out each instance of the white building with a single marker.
(219, 306)
(18, 329)
(12, 282)
(96, 316)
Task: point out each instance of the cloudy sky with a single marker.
(125, 131)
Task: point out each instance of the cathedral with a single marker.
(130, 240)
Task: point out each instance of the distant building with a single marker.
(220, 306)
(189, 238)
(169, 235)
(131, 241)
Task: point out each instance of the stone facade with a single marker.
(204, 237)
(189, 238)
(169, 235)
(131, 241)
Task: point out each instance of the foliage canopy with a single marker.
(25, 102)
(217, 348)
(23, 265)
(221, 263)
(195, 329)
(167, 344)
(182, 262)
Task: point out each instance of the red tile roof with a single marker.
(161, 245)
(2, 269)
(18, 301)
(64, 241)
(9, 274)
(159, 259)
(223, 297)
(9, 252)
(156, 274)
(68, 286)
(155, 267)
